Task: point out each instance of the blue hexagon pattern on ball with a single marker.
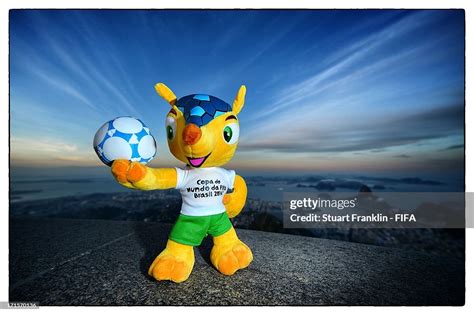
(125, 138)
(200, 109)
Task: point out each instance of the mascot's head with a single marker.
(202, 130)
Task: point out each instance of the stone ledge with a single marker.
(94, 262)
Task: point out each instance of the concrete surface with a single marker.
(92, 262)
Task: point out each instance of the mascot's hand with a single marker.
(232, 212)
(126, 172)
(234, 202)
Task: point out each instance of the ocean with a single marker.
(28, 184)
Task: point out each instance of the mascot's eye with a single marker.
(170, 128)
(169, 132)
(231, 133)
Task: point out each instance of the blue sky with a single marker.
(374, 90)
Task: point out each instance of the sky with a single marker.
(356, 91)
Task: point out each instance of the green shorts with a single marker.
(191, 230)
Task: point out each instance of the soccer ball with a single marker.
(125, 138)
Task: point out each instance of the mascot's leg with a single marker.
(230, 254)
(174, 263)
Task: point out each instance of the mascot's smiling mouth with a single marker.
(197, 162)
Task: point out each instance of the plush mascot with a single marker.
(203, 132)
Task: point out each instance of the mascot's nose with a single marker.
(191, 134)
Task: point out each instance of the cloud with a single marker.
(404, 156)
(63, 86)
(356, 103)
(453, 147)
(45, 145)
(73, 68)
(350, 64)
(374, 134)
(49, 151)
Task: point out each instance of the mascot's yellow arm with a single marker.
(158, 178)
(235, 201)
(139, 176)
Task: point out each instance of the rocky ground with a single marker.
(98, 262)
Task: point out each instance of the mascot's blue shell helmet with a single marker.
(200, 109)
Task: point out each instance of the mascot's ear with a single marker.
(239, 100)
(166, 93)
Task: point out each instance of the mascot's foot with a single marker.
(230, 254)
(174, 263)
